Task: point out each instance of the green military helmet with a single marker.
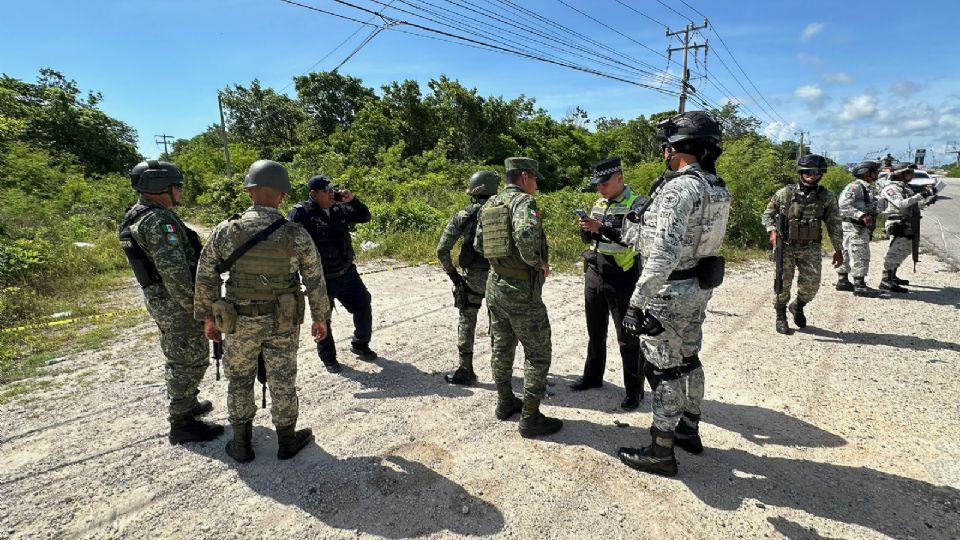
(483, 184)
(902, 168)
(152, 176)
(866, 167)
(268, 173)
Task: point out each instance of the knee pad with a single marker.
(655, 376)
(690, 363)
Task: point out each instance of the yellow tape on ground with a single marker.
(73, 320)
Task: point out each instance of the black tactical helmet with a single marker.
(152, 176)
(902, 168)
(268, 173)
(483, 184)
(812, 161)
(866, 167)
(689, 126)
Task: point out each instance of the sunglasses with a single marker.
(811, 172)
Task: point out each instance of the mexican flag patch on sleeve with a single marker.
(168, 228)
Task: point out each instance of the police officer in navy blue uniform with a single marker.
(611, 269)
(328, 215)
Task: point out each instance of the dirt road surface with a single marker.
(847, 429)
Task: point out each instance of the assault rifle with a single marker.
(218, 355)
(262, 378)
(781, 225)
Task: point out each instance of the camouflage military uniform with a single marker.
(514, 289)
(685, 223)
(807, 208)
(475, 272)
(257, 329)
(166, 241)
(901, 203)
(856, 201)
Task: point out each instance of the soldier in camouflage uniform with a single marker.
(469, 287)
(858, 206)
(678, 233)
(901, 202)
(808, 205)
(510, 236)
(263, 308)
(163, 253)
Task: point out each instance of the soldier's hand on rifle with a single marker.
(837, 259)
(319, 331)
(868, 220)
(210, 330)
(545, 268)
(456, 278)
(590, 225)
(773, 239)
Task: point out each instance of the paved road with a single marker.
(940, 227)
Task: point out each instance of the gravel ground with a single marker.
(847, 429)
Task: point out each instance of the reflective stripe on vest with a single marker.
(613, 213)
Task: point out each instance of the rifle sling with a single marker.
(225, 265)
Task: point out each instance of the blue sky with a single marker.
(859, 77)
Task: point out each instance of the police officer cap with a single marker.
(901, 169)
(320, 182)
(152, 176)
(866, 167)
(812, 161)
(268, 173)
(689, 126)
(522, 164)
(604, 170)
(483, 184)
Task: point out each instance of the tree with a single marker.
(734, 124)
(263, 119)
(331, 101)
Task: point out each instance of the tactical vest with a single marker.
(803, 215)
(892, 212)
(267, 270)
(332, 238)
(612, 213)
(142, 265)
(469, 258)
(498, 246)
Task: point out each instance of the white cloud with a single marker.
(838, 77)
(806, 58)
(778, 131)
(905, 88)
(811, 30)
(813, 95)
(862, 106)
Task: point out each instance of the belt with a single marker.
(679, 275)
(338, 273)
(255, 310)
(515, 273)
(854, 221)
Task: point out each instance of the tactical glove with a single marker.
(456, 278)
(631, 321)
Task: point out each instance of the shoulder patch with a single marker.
(173, 239)
(669, 200)
(168, 228)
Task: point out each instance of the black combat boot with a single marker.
(899, 281)
(186, 428)
(889, 283)
(534, 424)
(843, 283)
(464, 374)
(687, 434)
(507, 403)
(796, 309)
(201, 408)
(782, 326)
(289, 442)
(860, 288)
(657, 458)
(364, 352)
(241, 447)
(632, 400)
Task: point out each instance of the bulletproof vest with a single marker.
(469, 258)
(803, 215)
(498, 246)
(714, 214)
(330, 235)
(143, 268)
(267, 270)
(891, 211)
(612, 213)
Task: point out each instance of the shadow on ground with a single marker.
(890, 340)
(389, 496)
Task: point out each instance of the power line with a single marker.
(675, 11)
(608, 27)
(637, 11)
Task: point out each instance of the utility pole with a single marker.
(799, 148)
(685, 82)
(223, 137)
(163, 138)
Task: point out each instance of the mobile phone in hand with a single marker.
(581, 214)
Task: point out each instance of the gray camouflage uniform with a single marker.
(163, 237)
(814, 206)
(856, 200)
(901, 203)
(685, 223)
(474, 274)
(256, 334)
(516, 308)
